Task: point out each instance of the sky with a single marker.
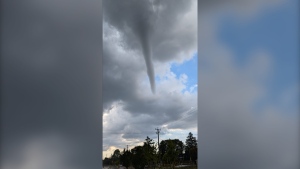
(248, 74)
(51, 84)
(59, 70)
(131, 111)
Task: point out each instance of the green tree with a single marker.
(150, 151)
(107, 161)
(178, 146)
(138, 157)
(166, 146)
(193, 154)
(190, 143)
(171, 153)
(116, 157)
(162, 148)
(126, 158)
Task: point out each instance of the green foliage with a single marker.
(190, 144)
(116, 157)
(163, 147)
(150, 151)
(171, 153)
(138, 157)
(174, 145)
(191, 141)
(193, 154)
(126, 158)
(107, 161)
(147, 154)
(178, 145)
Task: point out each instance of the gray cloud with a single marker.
(115, 89)
(138, 16)
(149, 27)
(131, 111)
(169, 38)
(51, 76)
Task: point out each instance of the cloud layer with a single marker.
(51, 81)
(131, 111)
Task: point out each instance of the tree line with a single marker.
(170, 152)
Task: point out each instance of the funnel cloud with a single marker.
(140, 36)
(137, 19)
(141, 27)
(144, 39)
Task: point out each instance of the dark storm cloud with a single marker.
(167, 42)
(51, 75)
(123, 85)
(169, 28)
(149, 26)
(138, 16)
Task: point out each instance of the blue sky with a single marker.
(273, 31)
(189, 68)
(248, 101)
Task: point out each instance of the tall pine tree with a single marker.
(190, 146)
(150, 151)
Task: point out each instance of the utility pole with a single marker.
(157, 132)
(127, 147)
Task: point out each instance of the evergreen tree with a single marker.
(126, 158)
(171, 150)
(162, 148)
(116, 157)
(190, 143)
(193, 154)
(138, 157)
(171, 154)
(150, 151)
(107, 161)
